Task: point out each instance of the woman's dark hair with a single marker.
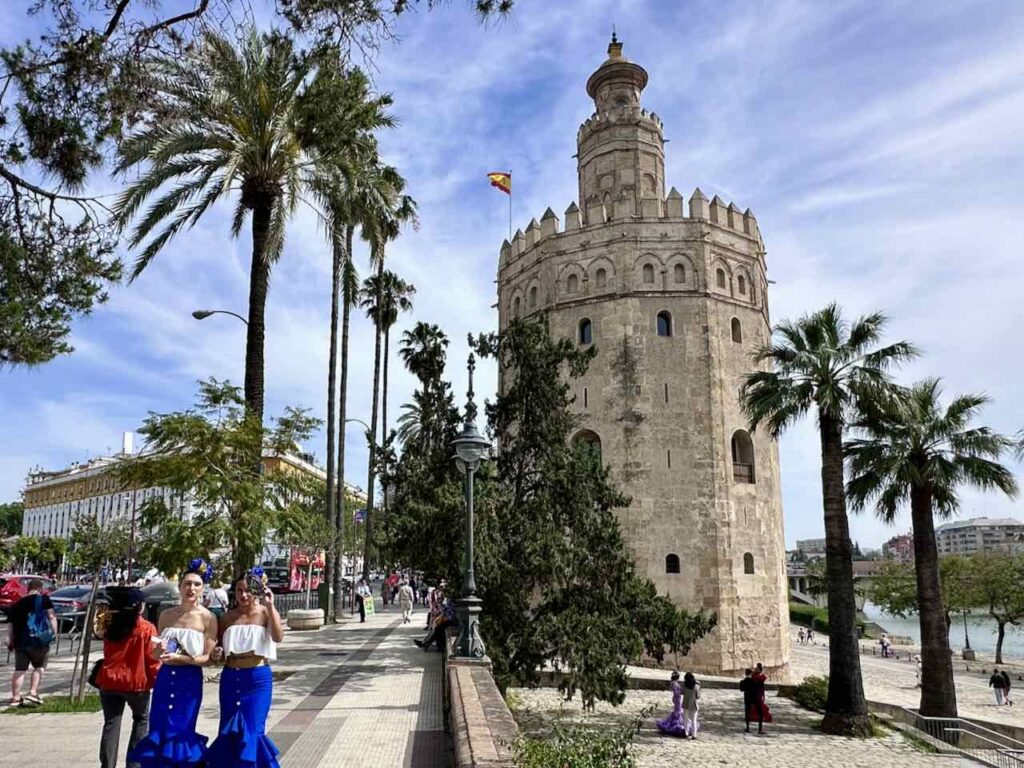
(675, 675)
(689, 680)
(123, 622)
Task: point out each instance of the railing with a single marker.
(969, 739)
(742, 473)
(289, 600)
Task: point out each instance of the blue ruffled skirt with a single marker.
(172, 741)
(244, 703)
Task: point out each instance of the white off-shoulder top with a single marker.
(249, 638)
(192, 641)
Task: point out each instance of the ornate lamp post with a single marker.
(470, 448)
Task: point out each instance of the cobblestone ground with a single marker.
(790, 741)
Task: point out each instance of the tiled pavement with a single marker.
(354, 695)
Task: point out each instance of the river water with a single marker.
(981, 629)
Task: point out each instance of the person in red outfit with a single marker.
(127, 673)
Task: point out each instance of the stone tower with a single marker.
(675, 301)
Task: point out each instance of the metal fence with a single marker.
(969, 739)
(297, 600)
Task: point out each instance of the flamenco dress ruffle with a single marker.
(172, 741)
(672, 725)
(241, 742)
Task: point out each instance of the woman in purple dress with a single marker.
(673, 724)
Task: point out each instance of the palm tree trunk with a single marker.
(259, 278)
(938, 694)
(333, 562)
(846, 712)
(386, 509)
(340, 508)
(1000, 635)
(368, 543)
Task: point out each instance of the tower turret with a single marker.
(621, 153)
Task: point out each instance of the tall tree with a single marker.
(236, 122)
(916, 453)
(11, 516)
(999, 586)
(823, 363)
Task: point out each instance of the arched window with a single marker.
(586, 335)
(589, 441)
(516, 308)
(601, 278)
(533, 297)
(748, 562)
(737, 331)
(679, 272)
(742, 457)
(741, 285)
(720, 277)
(664, 323)
(572, 284)
(671, 563)
(648, 274)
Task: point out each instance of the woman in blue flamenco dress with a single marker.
(673, 725)
(188, 634)
(249, 635)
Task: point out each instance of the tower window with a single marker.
(720, 277)
(679, 273)
(586, 332)
(588, 441)
(748, 562)
(737, 331)
(666, 391)
(572, 284)
(533, 297)
(648, 274)
(664, 323)
(671, 563)
(601, 278)
(741, 285)
(742, 457)
(584, 397)
(668, 458)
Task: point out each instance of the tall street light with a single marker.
(470, 448)
(202, 314)
(352, 602)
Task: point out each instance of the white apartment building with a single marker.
(980, 534)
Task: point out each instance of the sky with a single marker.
(880, 146)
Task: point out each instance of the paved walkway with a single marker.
(358, 695)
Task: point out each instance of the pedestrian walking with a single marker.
(800, 636)
(673, 725)
(215, 598)
(691, 704)
(1006, 688)
(362, 592)
(31, 627)
(751, 701)
(249, 635)
(188, 634)
(917, 659)
(995, 682)
(762, 714)
(127, 672)
(405, 600)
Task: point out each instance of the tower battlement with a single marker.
(621, 116)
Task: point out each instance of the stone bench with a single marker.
(305, 619)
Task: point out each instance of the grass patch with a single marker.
(59, 705)
(513, 701)
(918, 743)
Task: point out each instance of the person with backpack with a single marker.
(32, 626)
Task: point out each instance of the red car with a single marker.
(14, 586)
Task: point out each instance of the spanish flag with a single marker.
(502, 181)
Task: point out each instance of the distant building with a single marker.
(980, 534)
(811, 547)
(899, 548)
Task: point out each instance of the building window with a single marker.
(741, 285)
(584, 397)
(748, 562)
(668, 458)
(586, 332)
(648, 274)
(737, 331)
(588, 441)
(601, 278)
(664, 323)
(742, 457)
(720, 277)
(666, 391)
(516, 308)
(572, 284)
(671, 563)
(679, 273)
(533, 297)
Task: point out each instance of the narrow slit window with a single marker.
(586, 332)
(584, 397)
(720, 278)
(648, 274)
(664, 323)
(666, 391)
(668, 457)
(679, 272)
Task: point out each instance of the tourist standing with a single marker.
(691, 704)
(405, 600)
(362, 592)
(673, 725)
(995, 682)
(1006, 688)
(215, 598)
(31, 627)
(188, 633)
(751, 701)
(800, 636)
(810, 636)
(127, 671)
(764, 715)
(249, 635)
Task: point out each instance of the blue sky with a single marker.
(879, 144)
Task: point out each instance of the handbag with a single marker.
(95, 673)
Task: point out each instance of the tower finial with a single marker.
(614, 38)
(614, 47)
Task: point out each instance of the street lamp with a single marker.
(202, 314)
(470, 448)
(369, 434)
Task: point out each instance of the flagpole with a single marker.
(510, 207)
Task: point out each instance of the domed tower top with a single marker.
(617, 82)
(620, 149)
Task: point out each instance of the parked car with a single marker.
(159, 597)
(74, 599)
(14, 586)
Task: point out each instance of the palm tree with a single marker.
(823, 363)
(913, 452)
(230, 121)
(423, 352)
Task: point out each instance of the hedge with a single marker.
(809, 616)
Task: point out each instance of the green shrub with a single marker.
(809, 616)
(812, 693)
(579, 747)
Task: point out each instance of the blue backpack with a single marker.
(38, 632)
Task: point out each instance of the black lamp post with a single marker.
(470, 448)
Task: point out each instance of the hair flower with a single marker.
(201, 568)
